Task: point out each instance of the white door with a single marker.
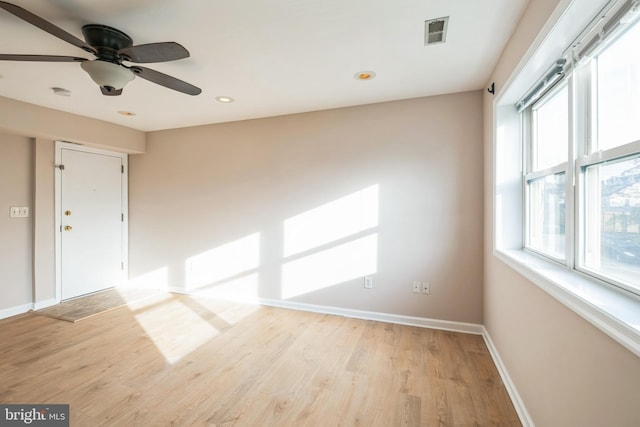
(91, 222)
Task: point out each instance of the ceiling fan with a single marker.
(110, 47)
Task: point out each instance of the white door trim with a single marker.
(58, 206)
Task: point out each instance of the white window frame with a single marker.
(612, 309)
(532, 174)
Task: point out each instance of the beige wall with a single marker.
(201, 191)
(21, 118)
(44, 284)
(27, 134)
(567, 372)
(16, 172)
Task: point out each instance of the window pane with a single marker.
(619, 91)
(612, 220)
(547, 215)
(551, 134)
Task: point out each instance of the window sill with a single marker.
(613, 311)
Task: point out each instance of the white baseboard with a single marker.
(14, 311)
(44, 304)
(523, 414)
(468, 328)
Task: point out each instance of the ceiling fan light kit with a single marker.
(107, 74)
(111, 47)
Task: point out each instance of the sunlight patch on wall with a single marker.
(335, 220)
(175, 329)
(223, 262)
(156, 279)
(330, 267)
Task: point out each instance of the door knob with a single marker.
(67, 228)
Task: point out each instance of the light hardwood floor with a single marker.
(182, 361)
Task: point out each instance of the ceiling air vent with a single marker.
(435, 30)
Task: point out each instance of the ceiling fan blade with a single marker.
(110, 91)
(45, 25)
(40, 58)
(154, 52)
(166, 80)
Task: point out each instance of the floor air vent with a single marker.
(435, 30)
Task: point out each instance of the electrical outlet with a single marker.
(368, 282)
(426, 288)
(19, 212)
(416, 287)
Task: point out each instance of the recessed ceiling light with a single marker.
(126, 113)
(364, 75)
(224, 99)
(61, 91)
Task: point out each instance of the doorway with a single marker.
(91, 220)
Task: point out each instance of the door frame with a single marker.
(59, 146)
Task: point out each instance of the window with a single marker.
(612, 220)
(551, 131)
(609, 172)
(618, 91)
(581, 155)
(566, 161)
(546, 177)
(546, 215)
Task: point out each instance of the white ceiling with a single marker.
(273, 57)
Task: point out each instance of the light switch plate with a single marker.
(19, 212)
(368, 282)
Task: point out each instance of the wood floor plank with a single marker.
(187, 361)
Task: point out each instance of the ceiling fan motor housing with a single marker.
(107, 41)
